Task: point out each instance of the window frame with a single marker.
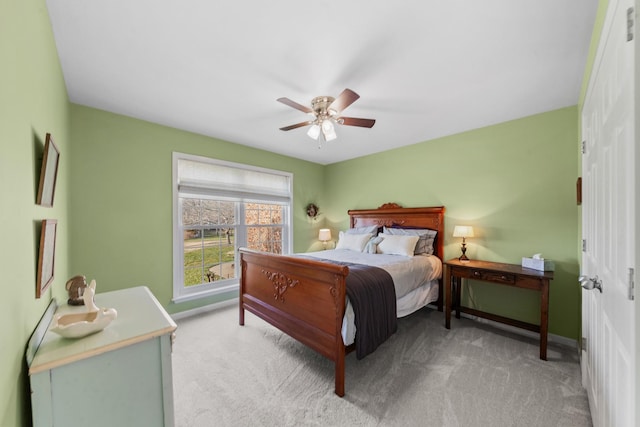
(182, 293)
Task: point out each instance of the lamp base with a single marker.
(463, 257)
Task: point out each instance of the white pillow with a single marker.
(397, 245)
(352, 242)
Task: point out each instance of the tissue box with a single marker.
(538, 264)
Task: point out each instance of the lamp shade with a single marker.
(463, 231)
(324, 234)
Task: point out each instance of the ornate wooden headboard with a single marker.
(393, 215)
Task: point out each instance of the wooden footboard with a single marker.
(301, 297)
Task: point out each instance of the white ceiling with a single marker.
(423, 68)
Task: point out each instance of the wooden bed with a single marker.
(306, 298)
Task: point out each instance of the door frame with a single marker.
(636, 106)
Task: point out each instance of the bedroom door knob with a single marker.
(590, 283)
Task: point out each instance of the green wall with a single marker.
(513, 182)
(33, 102)
(121, 199)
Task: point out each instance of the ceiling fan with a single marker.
(326, 111)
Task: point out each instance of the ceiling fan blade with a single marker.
(295, 105)
(352, 121)
(346, 98)
(297, 125)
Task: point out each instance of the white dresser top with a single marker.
(140, 317)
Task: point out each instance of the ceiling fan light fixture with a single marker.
(314, 132)
(328, 113)
(328, 130)
(330, 136)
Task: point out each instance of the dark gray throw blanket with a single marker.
(373, 298)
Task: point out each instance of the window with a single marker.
(218, 208)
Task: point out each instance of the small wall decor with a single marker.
(48, 173)
(312, 211)
(46, 256)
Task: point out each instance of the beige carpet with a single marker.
(425, 375)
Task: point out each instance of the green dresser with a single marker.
(120, 376)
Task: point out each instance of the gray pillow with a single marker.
(371, 229)
(425, 242)
(372, 245)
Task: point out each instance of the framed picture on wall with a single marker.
(46, 255)
(48, 173)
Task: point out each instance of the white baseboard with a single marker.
(557, 339)
(204, 309)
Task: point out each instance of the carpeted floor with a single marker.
(425, 375)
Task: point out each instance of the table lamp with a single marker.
(324, 236)
(463, 231)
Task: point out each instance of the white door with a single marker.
(609, 225)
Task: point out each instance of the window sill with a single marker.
(205, 293)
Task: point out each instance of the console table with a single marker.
(503, 274)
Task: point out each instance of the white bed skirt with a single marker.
(406, 305)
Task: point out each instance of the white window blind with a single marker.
(231, 182)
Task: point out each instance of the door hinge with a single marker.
(583, 343)
(584, 147)
(631, 285)
(584, 245)
(630, 24)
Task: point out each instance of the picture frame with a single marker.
(48, 173)
(46, 255)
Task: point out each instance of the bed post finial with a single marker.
(390, 205)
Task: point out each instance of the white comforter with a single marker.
(408, 273)
(414, 278)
